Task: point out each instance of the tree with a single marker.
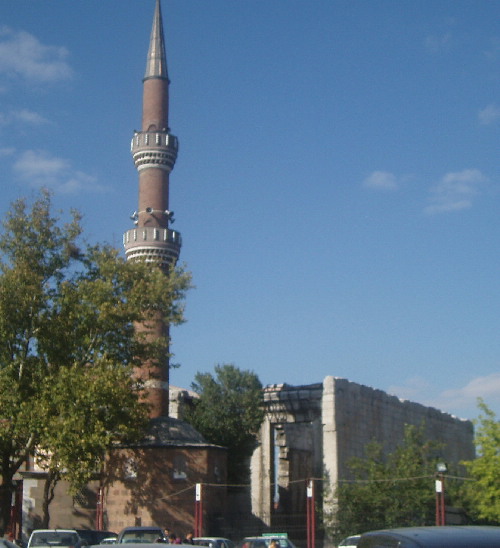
(395, 490)
(68, 344)
(483, 494)
(88, 408)
(229, 412)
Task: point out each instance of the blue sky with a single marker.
(337, 186)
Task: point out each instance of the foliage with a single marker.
(68, 343)
(483, 494)
(229, 412)
(393, 490)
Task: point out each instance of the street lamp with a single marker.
(440, 510)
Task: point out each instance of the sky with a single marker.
(337, 186)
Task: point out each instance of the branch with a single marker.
(27, 449)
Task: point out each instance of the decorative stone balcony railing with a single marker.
(154, 149)
(153, 245)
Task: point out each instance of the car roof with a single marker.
(95, 532)
(210, 538)
(276, 536)
(54, 531)
(143, 545)
(456, 536)
(263, 537)
(142, 528)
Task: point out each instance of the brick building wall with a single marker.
(151, 483)
(156, 486)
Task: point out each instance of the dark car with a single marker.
(460, 536)
(350, 542)
(92, 536)
(5, 543)
(265, 541)
(140, 535)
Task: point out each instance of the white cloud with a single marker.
(487, 388)
(493, 52)
(38, 168)
(453, 400)
(413, 389)
(22, 54)
(437, 44)
(381, 180)
(29, 116)
(7, 151)
(489, 115)
(23, 116)
(455, 191)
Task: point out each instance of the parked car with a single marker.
(60, 538)
(140, 535)
(6, 543)
(92, 536)
(265, 540)
(132, 544)
(213, 542)
(350, 542)
(458, 536)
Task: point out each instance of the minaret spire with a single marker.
(156, 66)
(154, 150)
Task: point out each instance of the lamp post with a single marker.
(440, 509)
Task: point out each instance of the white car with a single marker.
(57, 538)
(213, 542)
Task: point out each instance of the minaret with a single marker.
(154, 151)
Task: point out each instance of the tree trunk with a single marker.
(48, 496)
(6, 491)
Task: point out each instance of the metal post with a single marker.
(439, 486)
(198, 512)
(443, 511)
(99, 522)
(308, 518)
(311, 515)
(440, 506)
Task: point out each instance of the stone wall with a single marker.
(363, 414)
(313, 431)
(66, 511)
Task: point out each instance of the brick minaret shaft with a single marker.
(154, 151)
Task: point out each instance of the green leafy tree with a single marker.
(393, 490)
(86, 410)
(68, 344)
(483, 494)
(229, 412)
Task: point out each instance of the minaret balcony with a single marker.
(154, 149)
(152, 245)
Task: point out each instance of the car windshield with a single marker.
(350, 541)
(264, 542)
(283, 542)
(54, 538)
(140, 536)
